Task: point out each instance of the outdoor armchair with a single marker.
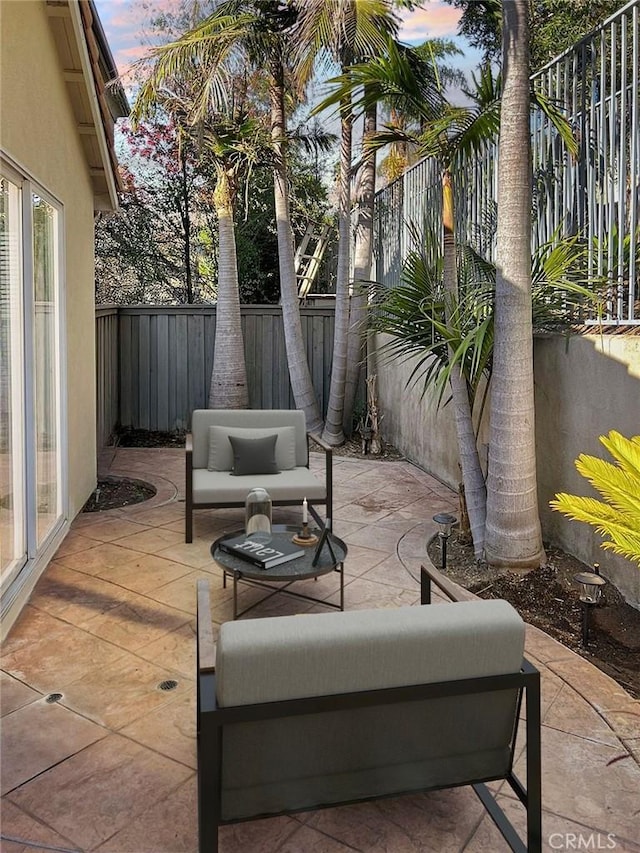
(221, 458)
(301, 712)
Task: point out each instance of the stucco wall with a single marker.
(38, 131)
(585, 386)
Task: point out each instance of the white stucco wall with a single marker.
(38, 131)
(585, 386)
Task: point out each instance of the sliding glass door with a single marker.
(31, 484)
(46, 373)
(12, 497)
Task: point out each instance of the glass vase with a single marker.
(257, 515)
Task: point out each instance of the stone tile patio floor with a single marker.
(110, 765)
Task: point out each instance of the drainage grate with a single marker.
(168, 685)
(53, 697)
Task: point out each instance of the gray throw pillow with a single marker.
(221, 454)
(254, 455)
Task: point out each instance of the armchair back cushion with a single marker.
(337, 756)
(267, 420)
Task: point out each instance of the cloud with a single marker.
(126, 24)
(438, 19)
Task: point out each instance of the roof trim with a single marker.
(94, 62)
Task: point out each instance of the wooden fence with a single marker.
(154, 362)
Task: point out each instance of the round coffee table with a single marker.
(331, 560)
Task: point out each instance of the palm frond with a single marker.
(204, 52)
(619, 485)
(624, 531)
(626, 451)
(557, 117)
(398, 77)
(619, 488)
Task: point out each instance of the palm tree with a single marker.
(441, 339)
(513, 531)
(234, 143)
(424, 63)
(362, 259)
(448, 133)
(258, 34)
(342, 31)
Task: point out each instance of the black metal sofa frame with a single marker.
(212, 721)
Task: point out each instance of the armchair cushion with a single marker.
(221, 456)
(254, 455)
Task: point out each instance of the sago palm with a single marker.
(618, 514)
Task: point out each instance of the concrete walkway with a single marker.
(97, 756)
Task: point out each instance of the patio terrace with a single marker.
(109, 765)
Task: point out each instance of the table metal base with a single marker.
(284, 590)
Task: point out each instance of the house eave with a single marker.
(88, 67)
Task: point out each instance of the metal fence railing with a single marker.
(595, 194)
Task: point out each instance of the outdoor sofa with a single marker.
(212, 482)
(301, 712)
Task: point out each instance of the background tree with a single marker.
(149, 249)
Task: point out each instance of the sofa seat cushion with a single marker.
(222, 487)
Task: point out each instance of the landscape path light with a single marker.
(445, 522)
(590, 586)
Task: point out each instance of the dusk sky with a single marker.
(123, 22)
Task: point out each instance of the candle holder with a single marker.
(305, 537)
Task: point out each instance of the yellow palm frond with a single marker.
(618, 516)
(625, 450)
(619, 488)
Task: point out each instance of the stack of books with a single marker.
(260, 554)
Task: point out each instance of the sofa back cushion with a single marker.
(266, 419)
(288, 657)
(299, 762)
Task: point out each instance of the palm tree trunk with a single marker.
(333, 433)
(474, 485)
(299, 373)
(363, 253)
(513, 535)
(185, 218)
(228, 389)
